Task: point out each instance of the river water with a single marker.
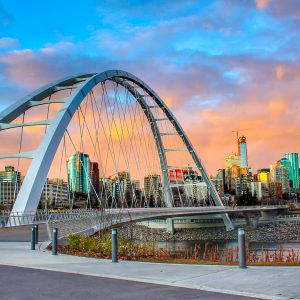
(185, 245)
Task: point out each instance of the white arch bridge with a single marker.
(88, 222)
(128, 131)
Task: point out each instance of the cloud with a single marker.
(279, 70)
(6, 42)
(262, 4)
(216, 69)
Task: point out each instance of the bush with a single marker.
(74, 241)
(94, 244)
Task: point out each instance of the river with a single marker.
(184, 245)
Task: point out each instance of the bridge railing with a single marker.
(10, 219)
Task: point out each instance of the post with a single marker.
(54, 241)
(242, 248)
(114, 246)
(36, 234)
(33, 238)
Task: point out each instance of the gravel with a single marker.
(272, 232)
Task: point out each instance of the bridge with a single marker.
(103, 123)
(91, 221)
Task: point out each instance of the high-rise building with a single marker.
(94, 174)
(242, 185)
(152, 184)
(263, 176)
(124, 182)
(242, 142)
(10, 175)
(219, 185)
(79, 173)
(176, 175)
(232, 160)
(221, 174)
(293, 159)
(195, 189)
(256, 189)
(136, 185)
(279, 173)
(10, 184)
(275, 189)
(55, 192)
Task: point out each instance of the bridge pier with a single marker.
(252, 223)
(268, 215)
(170, 226)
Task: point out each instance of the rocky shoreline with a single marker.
(288, 231)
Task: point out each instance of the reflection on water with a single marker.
(184, 245)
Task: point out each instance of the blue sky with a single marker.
(228, 63)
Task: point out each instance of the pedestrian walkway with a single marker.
(260, 282)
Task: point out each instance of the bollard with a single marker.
(54, 241)
(114, 246)
(36, 234)
(242, 248)
(33, 238)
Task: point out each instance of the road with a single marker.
(24, 283)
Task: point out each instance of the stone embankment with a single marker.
(272, 232)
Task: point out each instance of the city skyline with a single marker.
(249, 84)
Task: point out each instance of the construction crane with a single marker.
(237, 138)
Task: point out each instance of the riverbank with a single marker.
(199, 253)
(287, 231)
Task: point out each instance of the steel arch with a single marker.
(35, 178)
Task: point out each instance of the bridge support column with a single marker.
(268, 215)
(170, 226)
(252, 223)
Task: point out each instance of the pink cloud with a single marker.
(262, 4)
(7, 42)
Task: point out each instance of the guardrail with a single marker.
(10, 219)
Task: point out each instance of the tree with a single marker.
(247, 199)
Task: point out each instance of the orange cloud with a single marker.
(262, 4)
(279, 71)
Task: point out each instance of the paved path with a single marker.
(41, 284)
(260, 282)
(22, 233)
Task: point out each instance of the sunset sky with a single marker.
(219, 65)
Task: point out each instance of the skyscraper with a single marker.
(294, 169)
(280, 174)
(152, 185)
(242, 141)
(78, 173)
(94, 173)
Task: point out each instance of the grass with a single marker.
(128, 249)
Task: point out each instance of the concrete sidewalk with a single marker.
(260, 282)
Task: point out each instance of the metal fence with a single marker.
(10, 219)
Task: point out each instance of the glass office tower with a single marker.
(294, 169)
(243, 151)
(79, 172)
